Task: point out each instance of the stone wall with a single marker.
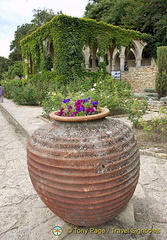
(141, 77)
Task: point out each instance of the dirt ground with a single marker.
(157, 142)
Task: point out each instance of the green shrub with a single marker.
(48, 90)
(161, 79)
(108, 92)
(29, 95)
(52, 102)
(10, 85)
(112, 93)
(136, 108)
(156, 124)
(161, 83)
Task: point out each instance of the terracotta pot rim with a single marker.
(104, 112)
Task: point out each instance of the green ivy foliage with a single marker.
(68, 35)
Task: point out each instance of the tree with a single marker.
(98, 11)
(154, 21)
(40, 18)
(149, 16)
(21, 32)
(4, 63)
(131, 16)
(116, 12)
(109, 11)
(16, 70)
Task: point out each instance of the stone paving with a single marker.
(25, 217)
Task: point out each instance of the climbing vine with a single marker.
(68, 36)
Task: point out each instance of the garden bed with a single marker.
(156, 143)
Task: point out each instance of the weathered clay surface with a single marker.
(85, 172)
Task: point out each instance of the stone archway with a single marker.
(146, 58)
(110, 52)
(116, 62)
(116, 58)
(91, 59)
(138, 48)
(130, 57)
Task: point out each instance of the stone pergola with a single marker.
(116, 58)
(61, 44)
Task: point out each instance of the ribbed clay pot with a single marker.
(85, 171)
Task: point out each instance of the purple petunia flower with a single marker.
(94, 103)
(65, 100)
(60, 113)
(79, 108)
(78, 102)
(85, 100)
(69, 107)
(74, 113)
(91, 110)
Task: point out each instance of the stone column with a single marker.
(113, 66)
(93, 62)
(109, 66)
(86, 53)
(122, 58)
(101, 59)
(122, 62)
(138, 61)
(86, 65)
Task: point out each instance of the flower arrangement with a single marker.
(81, 107)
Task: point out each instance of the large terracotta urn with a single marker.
(85, 170)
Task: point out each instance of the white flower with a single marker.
(92, 89)
(48, 92)
(54, 94)
(108, 96)
(100, 82)
(82, 94)
(94, 85)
